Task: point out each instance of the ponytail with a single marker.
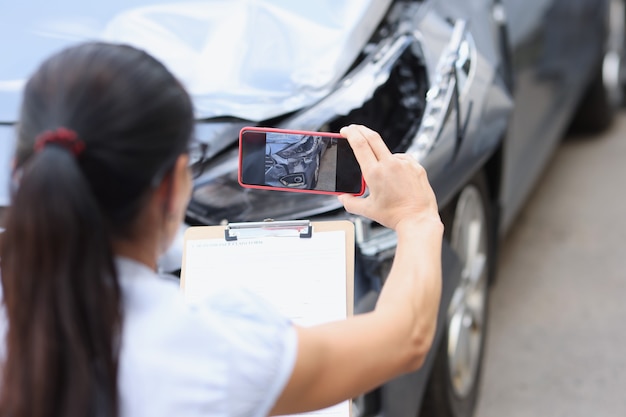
(98, 123)
(61, 295)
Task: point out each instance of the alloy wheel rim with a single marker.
(466, 314)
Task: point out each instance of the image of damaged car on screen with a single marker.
(479, 92)
(295, 165)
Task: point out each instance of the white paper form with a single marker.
(305, 281)
(303, 278)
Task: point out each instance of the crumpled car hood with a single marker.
(251, 59)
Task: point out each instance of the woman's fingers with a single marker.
(354, 205)
(362, 150)
(366, 140)
(398, 184)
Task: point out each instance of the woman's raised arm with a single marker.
(340, 360)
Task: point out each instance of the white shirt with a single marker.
(230, 355)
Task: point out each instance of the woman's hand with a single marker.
(398, 185)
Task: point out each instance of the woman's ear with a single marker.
(173, 196)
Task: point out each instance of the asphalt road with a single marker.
(328, 170)
(557, 330)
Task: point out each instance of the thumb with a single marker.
(353, 204)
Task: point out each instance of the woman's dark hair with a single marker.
(61, 292)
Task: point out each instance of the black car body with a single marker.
(479, 91)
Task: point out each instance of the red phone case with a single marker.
(293, 132)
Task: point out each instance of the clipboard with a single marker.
(218, 254)
(305, 269)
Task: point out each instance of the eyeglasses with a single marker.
(197, 152)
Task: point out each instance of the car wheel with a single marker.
(595, 111)
(454, 380)
(614, 64)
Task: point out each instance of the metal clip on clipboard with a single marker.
(289, 228)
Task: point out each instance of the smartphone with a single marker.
(289, 160)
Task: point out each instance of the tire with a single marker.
(596, 110)
(614, 65)
(453, 387)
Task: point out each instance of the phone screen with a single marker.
(298, 161)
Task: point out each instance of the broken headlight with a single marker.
(299, 149)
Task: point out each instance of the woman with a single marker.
(101, 186)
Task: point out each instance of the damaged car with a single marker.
(480, 92)
(294, 165)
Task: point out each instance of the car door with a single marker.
(555, 47)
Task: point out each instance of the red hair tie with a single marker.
(63, 137)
